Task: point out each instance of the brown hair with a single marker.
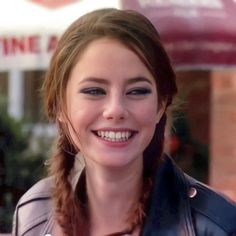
(137, 33)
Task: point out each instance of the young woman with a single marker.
(108, 86)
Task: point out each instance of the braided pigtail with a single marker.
(64, 199)
(152, 158)
(138, 211)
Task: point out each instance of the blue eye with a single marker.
(139, 91)
(93, 91)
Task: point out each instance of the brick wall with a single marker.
(223, 132)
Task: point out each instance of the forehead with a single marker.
(106, 55)
(103, 46)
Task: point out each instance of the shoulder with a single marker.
(211, 210)
(41, 189)
(34, 207)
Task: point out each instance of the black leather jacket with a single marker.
(180, 206)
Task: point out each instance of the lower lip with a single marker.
(118, 144)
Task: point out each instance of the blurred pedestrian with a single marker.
(108, 87)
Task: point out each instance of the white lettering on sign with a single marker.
(182, 3)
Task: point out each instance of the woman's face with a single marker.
(112, 104)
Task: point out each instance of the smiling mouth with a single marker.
(115, 136)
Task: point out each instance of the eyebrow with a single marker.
(139, 79)
(107, 82)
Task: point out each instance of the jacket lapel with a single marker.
(170, 213)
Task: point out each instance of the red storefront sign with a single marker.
(196, 33)
(54, 3)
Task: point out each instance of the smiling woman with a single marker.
(108, 86)
(123, 98)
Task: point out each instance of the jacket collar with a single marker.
(170, 212)
(77, 170)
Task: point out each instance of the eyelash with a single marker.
(99, 91)
(139, 91)
(93, 91)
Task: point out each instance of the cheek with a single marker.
(147, 115)
(77, 121)
(74, 122)
(76, 111)
(82, 117)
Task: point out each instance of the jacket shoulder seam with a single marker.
(42, 189)
(39, 218)
(206, 196)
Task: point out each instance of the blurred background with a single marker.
(200, 37)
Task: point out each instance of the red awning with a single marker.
(196, 33)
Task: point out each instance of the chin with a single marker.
(117, 161)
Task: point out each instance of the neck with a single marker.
(112, 192)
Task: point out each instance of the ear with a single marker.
(61, 117)
(161, 109)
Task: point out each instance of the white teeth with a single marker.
(118, 135)
(114, 136)
(106, 134)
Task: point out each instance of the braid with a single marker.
(152, 158)
(63, 196)
(138, 211)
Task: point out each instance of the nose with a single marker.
(115, 109)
